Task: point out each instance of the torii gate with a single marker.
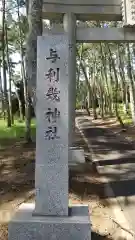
(69, 11)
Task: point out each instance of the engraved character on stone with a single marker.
(51, 133)
(52, 116)
(53, 55)
(53, 94)
(53, 75)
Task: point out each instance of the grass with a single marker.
(16, 131)
(126, 118)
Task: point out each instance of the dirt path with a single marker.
(115, 157)
(85, 187)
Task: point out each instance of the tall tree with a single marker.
(131, 83)
(26, 95)
(4, 66)
(9, 73)
(35, 29)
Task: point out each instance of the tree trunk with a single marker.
(94, 88)
(90, 90)
(116, 89)
(1, 92)
(111, 84)
(9, 73)
(25, 85)
(123, 81)
(6, 103)
(35, 29)
(131, 84)
(104, 72)
(101, 101)
(19, 103)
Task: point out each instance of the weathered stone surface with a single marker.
(109, 10)
(26, 226)
(96, 35)
(51, 179)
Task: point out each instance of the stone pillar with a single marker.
(69, 22)
(52, 129)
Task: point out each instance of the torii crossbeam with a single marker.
(108, 10)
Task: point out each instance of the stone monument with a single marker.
(52, 126)
(50, 217)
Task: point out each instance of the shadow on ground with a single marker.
(17, 169)
(115, 157)
(84, 182)
(96, 236)
(84, 185)
(102, 141)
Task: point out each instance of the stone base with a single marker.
(25, 225)
(76, 156)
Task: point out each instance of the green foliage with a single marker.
(16, 131)
(126, 118)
